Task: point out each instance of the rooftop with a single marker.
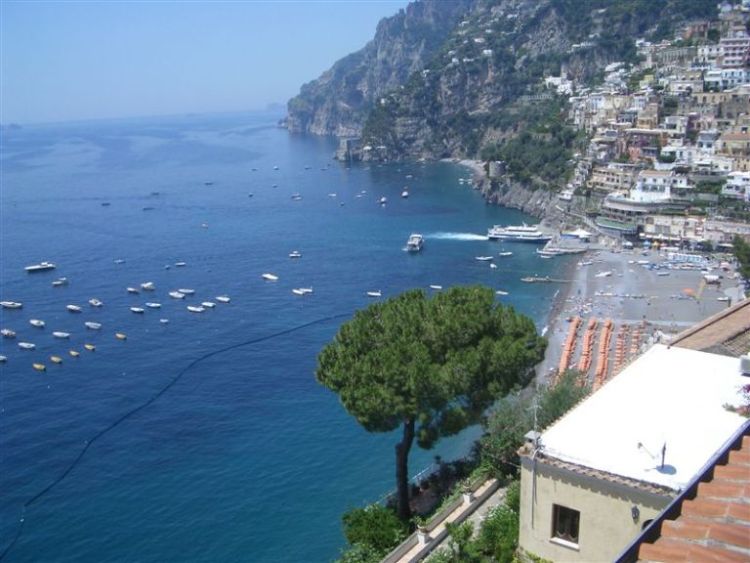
(727, 332)
(622, 429)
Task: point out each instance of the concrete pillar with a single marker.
(423, 536)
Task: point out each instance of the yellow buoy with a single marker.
(74, 353)
(89, 347)
(55, 359)
(121, 336)
(39, 367)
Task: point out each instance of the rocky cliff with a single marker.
(338, 102)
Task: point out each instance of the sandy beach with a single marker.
(645, 297)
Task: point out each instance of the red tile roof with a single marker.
(715, 525)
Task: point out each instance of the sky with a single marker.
(70, 60)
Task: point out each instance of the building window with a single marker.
(565, 523)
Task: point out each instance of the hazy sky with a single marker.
(79, 60)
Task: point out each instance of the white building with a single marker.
(737, 186)
(653, 186)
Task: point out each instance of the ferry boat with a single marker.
(517, 233)
(41, 267)
(415, 242)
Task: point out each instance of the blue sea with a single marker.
(244, 457)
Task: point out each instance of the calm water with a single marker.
(245, 458)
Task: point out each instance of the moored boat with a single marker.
(89, 347)
(176, 295)
(484, 258)
(295, 254)
(94, 302)
(73, 308)
(74, 353)
(7, 333)
(148, 286)
(55, 359)
(138, 310)
(92, 325)
(223, 298)
(11, 304)
(208, 304)
(153, 305)
(39, 367)
(38, 323)
(196, 309)
(60, 282)
(26, 345)
(121, 336)
(377, 293)
(270, 277)
(61, 334)
(505, 253)
(133, 290)
(436, 287)
(186, 291)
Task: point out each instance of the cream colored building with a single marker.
(596, 477)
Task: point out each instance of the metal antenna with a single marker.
(663, 454)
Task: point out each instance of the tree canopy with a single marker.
(430, 365)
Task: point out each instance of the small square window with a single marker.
(565, 523)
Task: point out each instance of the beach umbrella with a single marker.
(688, 291)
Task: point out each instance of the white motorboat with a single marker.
(223, 298)
(415, 242)
(60, 334)
(332, 195)
(484, 258)
(37, 323)
(186, 291)
(270, 277)
(92, 325)
(41, 267)
(505, 253)
(405, 194)
(60, 282)
(296, 197)
(374, 293)
(176, 295)
(94, 302)
(7, 333)
(501, 292)
(164, 321)
(138, 310)
(208, 304)
(153, 305)
(3, 359)
(73, 308)
(604, 274)
(436, 287)
(194, 309)
(493, 266)
(180, 264)
(148, 286)
(26, 345)
(132, 290)
(517, 233)
(295, 254)
(11, 304)
(383, 200)
(723, 299)
(302, 290)
(119, 261)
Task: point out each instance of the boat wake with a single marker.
(455, 236)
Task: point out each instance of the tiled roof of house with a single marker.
(715, 525)
(726, 333)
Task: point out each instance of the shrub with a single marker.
(375, 527)
(498, 537)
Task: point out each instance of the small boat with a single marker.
(269, 277)
(250, 194)
(60, 282)
(119, 261)
(374, 293)
(138, 310)
(296, 197)
(604, 274)
(436, 287)
(55, 359)
(493, 266)
(383, 200)
(484, 258)
(223, 298)
(501, 292)
(186, 291)
(302, 290)
(405, 194)
(332, 195)
(37, 323)
(39, 367)
(208, 183)
(133, 290)
(148, 286)
(94, 302)
(415, 242)
(180, 264)
(11, 304)
(73, 308)
(148, 208)
(89, 347)
(195, 309)
(41, 267)
(74, 353)
(153, 305)
(295, 254)
(121, 336)
(275, 167)
(3, 359)
(208, 304)
(60, 334)
(92, 325)
(164, 321)
(505, 253)
(7, 333)
(26, 345)
(662, 273)
(106, 204)
(176, 295)
(723, 299)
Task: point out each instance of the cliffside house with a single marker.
(606, 469)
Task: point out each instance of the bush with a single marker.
(513, 496)
(375, 527)
(498, 537)
(360, 554)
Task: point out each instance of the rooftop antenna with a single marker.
(663, 454)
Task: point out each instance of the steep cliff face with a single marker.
(338, 102)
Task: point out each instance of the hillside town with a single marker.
(669, 154)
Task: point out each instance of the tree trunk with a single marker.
(402, 470)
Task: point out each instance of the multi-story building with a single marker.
(737, 186)
(614, 176)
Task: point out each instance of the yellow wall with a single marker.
(606, 525)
